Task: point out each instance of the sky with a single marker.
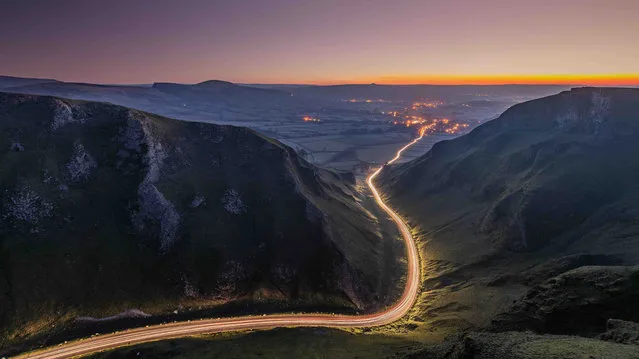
(322, 41)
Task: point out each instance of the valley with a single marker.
(357, 125)
(283, 179)
(477, 197)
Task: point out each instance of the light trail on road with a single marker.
(210, 326)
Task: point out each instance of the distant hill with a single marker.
(204, 102)
(222, 91)
(93, 92)
(9, 81)
(106, 209)
(415, 92)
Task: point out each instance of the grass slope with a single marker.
(548, 187)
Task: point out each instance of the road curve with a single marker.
(207, 326)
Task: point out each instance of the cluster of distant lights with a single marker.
(410, 121)
(456, 128)
(427, 104)
(355, 100)
(427, 126)
(311, 119)
(442, 125)
(415, 106)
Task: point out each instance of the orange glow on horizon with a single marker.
(551, 79)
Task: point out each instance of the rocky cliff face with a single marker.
(106, 209)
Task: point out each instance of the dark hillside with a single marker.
(106, 209)
(547, 173)
(550, 186)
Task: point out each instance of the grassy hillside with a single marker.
(545, 173)
(549, 186)
(107, 209)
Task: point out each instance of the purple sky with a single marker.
(315, 41)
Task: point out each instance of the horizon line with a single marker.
(568, 80)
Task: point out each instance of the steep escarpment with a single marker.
(545, 173)
(546, 188)
(107, 209)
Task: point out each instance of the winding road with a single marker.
(208, 326)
